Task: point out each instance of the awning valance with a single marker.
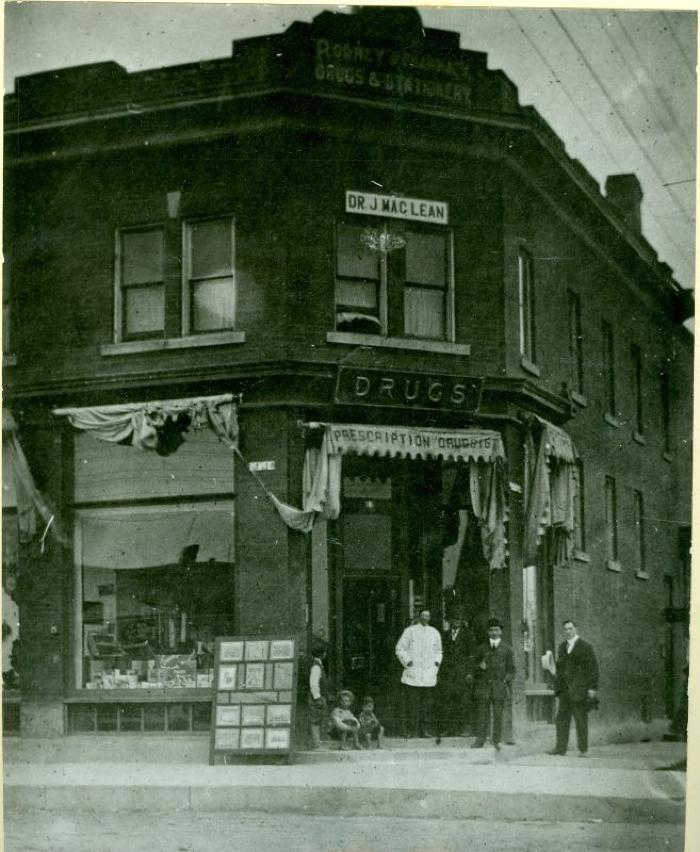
(408, 442)
(157, 425)
(550, 502)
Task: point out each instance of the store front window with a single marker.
(155, 587)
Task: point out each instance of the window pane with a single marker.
(355, 260)
(425, 259)
(144, 310)
(142, 257)
(157, 588)
(213, 304)
(356, 294)
(154, 717)
(424, 312)
(178, 717)
(211, 249)
(130, 717)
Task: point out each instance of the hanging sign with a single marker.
(255, 682)
(396, 207)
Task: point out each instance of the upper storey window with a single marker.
(141, 293)
(394, 279)
(208, 287)
(526, 305)
(198, 275)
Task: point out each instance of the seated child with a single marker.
(343, 721)
(370, 726)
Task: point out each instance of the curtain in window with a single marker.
(424, 312)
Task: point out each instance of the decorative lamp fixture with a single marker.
(382, 240)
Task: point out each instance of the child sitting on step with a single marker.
(343, 722)
(370, 727)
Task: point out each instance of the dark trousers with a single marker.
(418, 709)
(486, 705)
(579, 711)
(451, 697)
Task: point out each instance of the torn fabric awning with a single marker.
(157, 425)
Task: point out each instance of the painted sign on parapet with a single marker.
(255, 682)
(396, 207)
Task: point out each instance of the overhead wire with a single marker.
(623, 120)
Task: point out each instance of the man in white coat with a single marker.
(420, 653)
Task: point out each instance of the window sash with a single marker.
(579, 508)
(640, 543)
(609, 369)
(125, 288)
(575, 342)
(637, 386)
(665, 388)
(195, 317)
(611, 518)
(420, 277)
(526, 307)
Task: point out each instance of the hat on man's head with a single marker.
(494, 622)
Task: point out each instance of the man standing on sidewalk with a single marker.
(576, 683)
(494, 671)
(455, 678)
(420, 653)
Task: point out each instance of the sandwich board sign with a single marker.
(254, 698)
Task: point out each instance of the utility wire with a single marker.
(625, 123)
(667, 106)
(688, 60)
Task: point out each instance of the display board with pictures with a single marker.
(255, 681)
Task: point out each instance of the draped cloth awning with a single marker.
(159, 425)
(31, 506)
(550, 502)
(481, 450)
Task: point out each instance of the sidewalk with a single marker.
(617, 783)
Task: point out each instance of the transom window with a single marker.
(394, 279)
(199, 275)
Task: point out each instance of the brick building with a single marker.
(366, 272)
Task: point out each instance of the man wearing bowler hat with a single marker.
(494, 670)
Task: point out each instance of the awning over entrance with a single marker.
(406, 442)
(157, 425)
(481, 450)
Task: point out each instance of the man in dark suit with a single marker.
(575, 684)
(454, 677)
(494, 670)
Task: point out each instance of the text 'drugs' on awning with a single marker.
(407, 442)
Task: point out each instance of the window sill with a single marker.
(642, 575)
(132, 347)
(639, 438)
(581, 556)
(9, 360)
(613, 565)
(414, 344)
(667, 457)
(579, 398)
(613, 421)
(529, 367)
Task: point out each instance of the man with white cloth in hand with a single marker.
(420, 653)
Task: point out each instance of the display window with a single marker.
(154, 588)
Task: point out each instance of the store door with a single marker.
(370, 630)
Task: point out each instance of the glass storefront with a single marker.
(156, 587)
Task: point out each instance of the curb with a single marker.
(341, 801)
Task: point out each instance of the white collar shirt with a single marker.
(570, 644)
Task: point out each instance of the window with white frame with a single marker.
(394, 279)
(199, 276)
(208, 293)
(141, 283)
